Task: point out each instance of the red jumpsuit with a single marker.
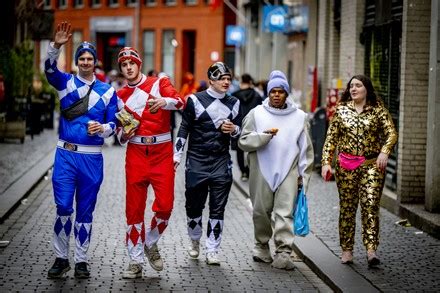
(149, 160)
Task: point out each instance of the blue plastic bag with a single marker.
(301, 215)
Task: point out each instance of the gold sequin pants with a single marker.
(364, 185)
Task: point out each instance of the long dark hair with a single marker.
(372, 98)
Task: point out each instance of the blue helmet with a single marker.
(85, 47)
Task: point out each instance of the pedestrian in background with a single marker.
(88, 108)
(152, 73)
(261, 88)
(100, 73)
(117, 81)
(249, 99)
(363, 132)
(203, 86)
(276, 135)
(209, 121)
(149, 159)
(189, 85)
(235, 84)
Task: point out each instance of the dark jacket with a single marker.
(249, 99)
(201, 122)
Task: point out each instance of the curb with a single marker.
(11, 197)
(340, 278)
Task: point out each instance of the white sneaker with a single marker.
(212, 258)
(194, 249)
(154, 258)
(261, 253)
(283, 261)
(133, 271)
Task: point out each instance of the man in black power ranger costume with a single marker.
(209, 120)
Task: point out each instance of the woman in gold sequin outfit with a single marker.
(361, 130)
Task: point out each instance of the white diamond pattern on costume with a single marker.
(215, 236)
(138, 228)
(61, 240)
(137, 101)
(120, 104)
(70, 87)
(198, 107)
(135, 250)
(106, 97)
(81, 249)
(195, 229)
(152, 236)
(218, 112)
(155, 89)
(82, 91)
(93, 99)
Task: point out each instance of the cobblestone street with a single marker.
(409, 256)
(24, 263)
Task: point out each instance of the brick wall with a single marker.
(352, 53)
(208, 25)
(323, 37)
(340, 54)
(334, 44)
(413, 101)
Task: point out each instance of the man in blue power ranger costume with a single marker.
(88, 108)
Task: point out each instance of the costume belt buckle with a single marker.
(148, 139)
(70, 146)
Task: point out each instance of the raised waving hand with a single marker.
(62, 34)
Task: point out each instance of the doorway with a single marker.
(188, 51)
(108, 46)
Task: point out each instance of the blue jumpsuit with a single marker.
(78, 167)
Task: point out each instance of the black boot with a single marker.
(59, 268)
(82, 271)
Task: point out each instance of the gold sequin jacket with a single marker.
(364, 134)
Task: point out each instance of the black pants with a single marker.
(240, 159)
(203, 175)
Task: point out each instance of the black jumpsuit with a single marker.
(208, 167)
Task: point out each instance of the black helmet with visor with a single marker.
(217, 70)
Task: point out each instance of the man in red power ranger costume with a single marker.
(149, 158)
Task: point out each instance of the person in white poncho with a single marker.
(276, 136)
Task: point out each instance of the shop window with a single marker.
(148, 45)
(47, 4)
(78, 3)
(168, 52)
(95, 3)
(190, 2)
(169, 2)
(150, 2)
(131, 3)
(113, 3)
(62, 4)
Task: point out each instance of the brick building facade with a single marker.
(174, 36)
